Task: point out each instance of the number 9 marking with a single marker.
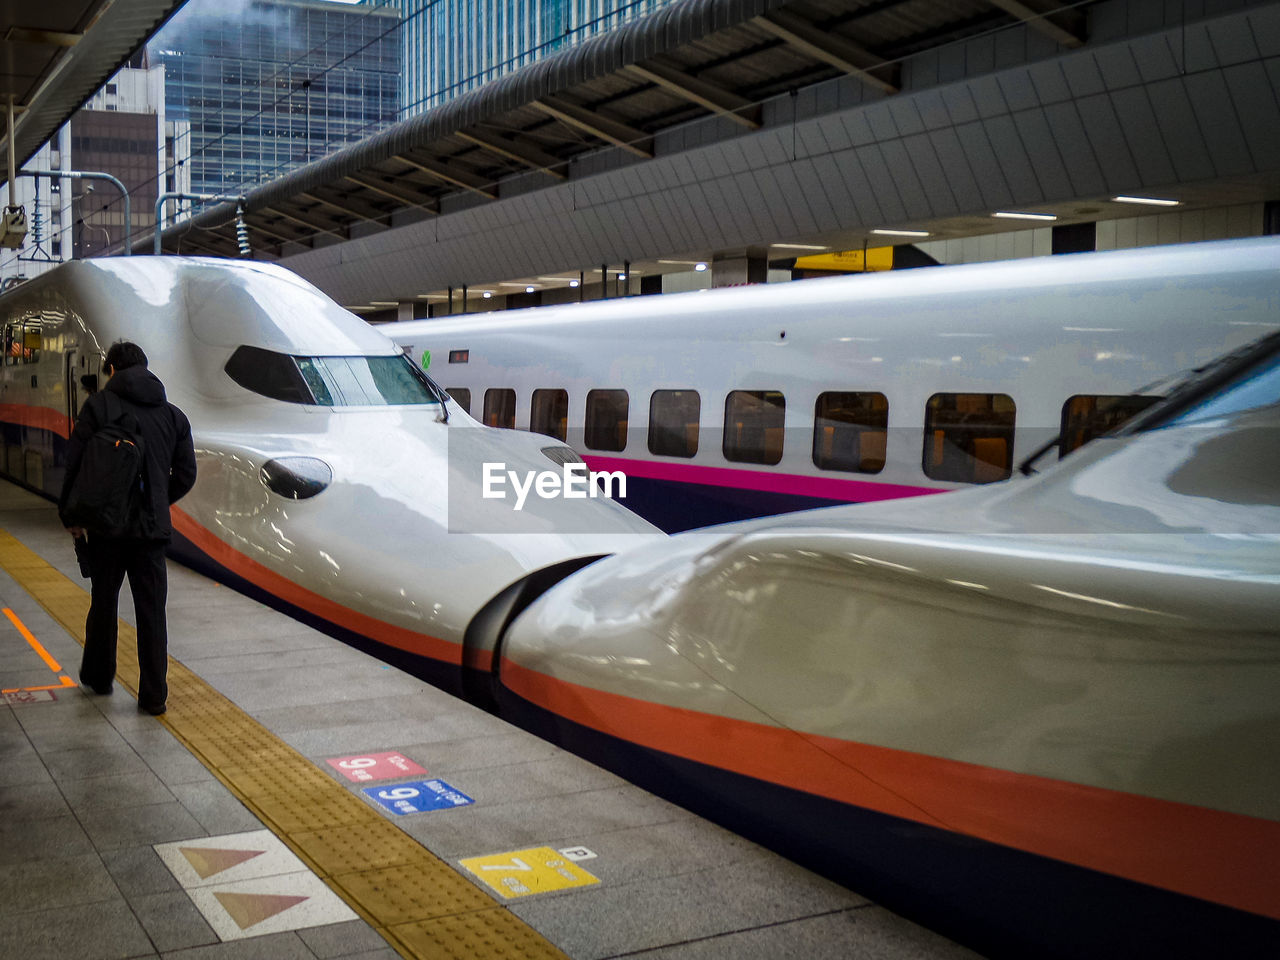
(399, 793)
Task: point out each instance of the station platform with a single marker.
(302, 800)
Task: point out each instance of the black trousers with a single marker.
(110, 560)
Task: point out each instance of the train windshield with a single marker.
(1256, 387)
(332, 381)
(1247, 379)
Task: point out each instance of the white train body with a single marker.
(1043, 717)
(1040, 716)
(399, 548)
(1036, 332)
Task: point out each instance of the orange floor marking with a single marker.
(66, 682)
(35, 644)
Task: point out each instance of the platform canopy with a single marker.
(55, 54)
(689, 60)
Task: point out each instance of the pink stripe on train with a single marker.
(828, 488)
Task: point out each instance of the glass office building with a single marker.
(269, 85)
(451, 46)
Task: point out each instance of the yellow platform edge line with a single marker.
(199, 717)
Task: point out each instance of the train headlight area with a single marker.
(297, 478)
(303, 796)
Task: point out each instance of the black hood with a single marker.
(137, 385)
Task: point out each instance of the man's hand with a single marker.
(76, 532)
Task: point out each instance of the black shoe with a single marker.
(101, 689)
(155, 709)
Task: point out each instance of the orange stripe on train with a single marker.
(40, 418)
(393, 636)
(1222, 857)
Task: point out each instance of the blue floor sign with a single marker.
(419, 796)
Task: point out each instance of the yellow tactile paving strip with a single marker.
(419, 903)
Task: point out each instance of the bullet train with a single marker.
(726, 404)
(335, 479)
(1041, 717)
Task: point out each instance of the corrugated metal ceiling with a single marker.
(693, 59)
(55, 54)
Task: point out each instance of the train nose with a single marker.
(387, 539)
(614, 628)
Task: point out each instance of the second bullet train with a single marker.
(1041, 717)
(725, 404)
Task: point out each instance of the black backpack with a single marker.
(107, 493)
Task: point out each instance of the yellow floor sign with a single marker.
(522, 872)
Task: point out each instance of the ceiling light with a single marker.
(685, 262)
(622, 276)
(488, 294)
(385, 303)
(902, 233)
(573, 283)
(1150, 201)
(1025, 216)
(699, 267)
(797, 246)
(528, 289)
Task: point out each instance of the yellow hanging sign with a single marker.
(849, 261)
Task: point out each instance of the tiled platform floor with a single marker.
(88, 787)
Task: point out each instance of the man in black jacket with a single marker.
(169, 471)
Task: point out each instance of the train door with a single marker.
(13, 459)
(82, 373)
(69, 384)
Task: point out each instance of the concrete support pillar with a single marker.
(738, 267)
(404, 311)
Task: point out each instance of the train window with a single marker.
(753, 426)
(32, 343)
(850, 431)
(1085, 417)
(330, 381)
(606, 425)
(673, 423)
(22, 343)
(271, 374)
(315, 383)
(365, 381)
(461, 396)
(968, 437)
(549, 413)
(1256, 384)
(500, 407)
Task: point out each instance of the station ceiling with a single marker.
(54, 54)
(690, 60)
